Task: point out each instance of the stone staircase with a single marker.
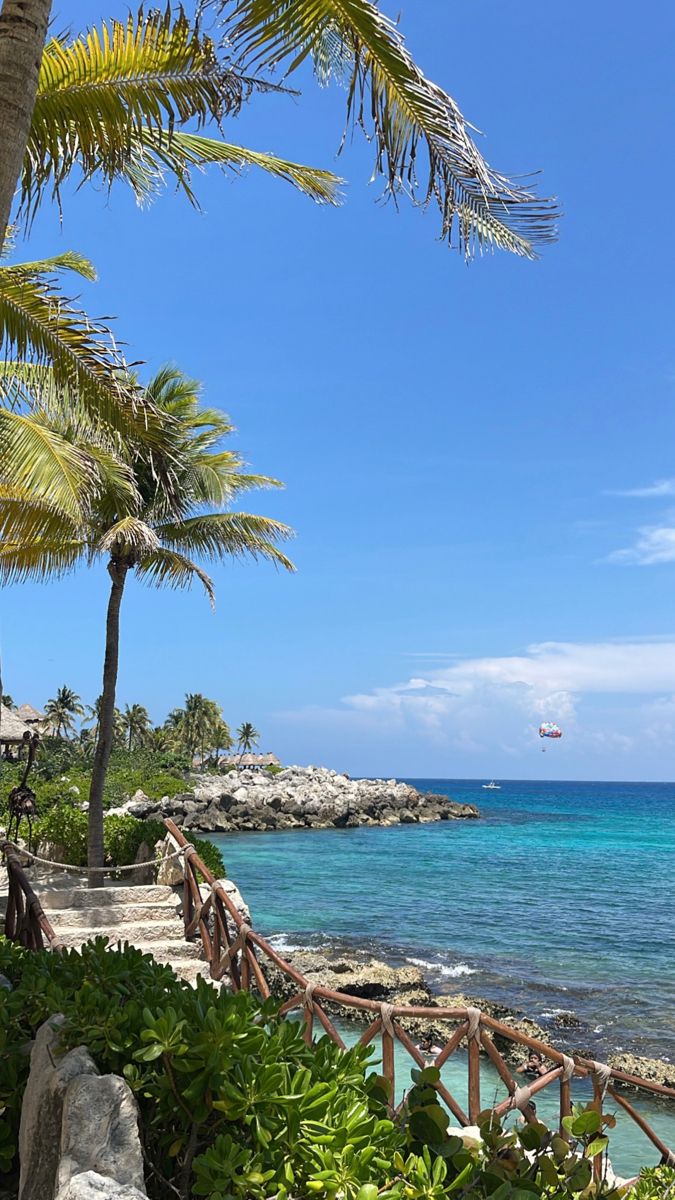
(148, 916)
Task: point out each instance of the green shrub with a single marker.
(655, 1183)
(234, 1105)
(210, 854)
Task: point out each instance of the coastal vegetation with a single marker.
(234, 1104)
(157, 504)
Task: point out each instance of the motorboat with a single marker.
(492, 786)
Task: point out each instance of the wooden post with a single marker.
(597, 1105)
(474, 1079)
(565, 1106)
(388, 1064)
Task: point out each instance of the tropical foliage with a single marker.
(127, 101)
(234, 1105)
(61, 712)
(168, 509)
(247, 737)
(423, 145)
(136, 724)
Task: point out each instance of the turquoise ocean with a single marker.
(559, 900)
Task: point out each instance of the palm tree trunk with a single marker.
(106, 726)
(130, 733)
(23, 29)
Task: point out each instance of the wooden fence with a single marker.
(232, 949)
(25, 921)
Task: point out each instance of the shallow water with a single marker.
(558, 900)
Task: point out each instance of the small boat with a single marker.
(492, 786)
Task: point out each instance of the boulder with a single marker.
(170, 870)
(655, 1070)
(145, 872)
(99, 1131)
(42, 1109)
(92, 1186)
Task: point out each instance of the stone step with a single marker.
(83, 897)
(164, 949)
(192, 971)
(116, 915)
(119, 927)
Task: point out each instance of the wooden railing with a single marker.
(231, 948)
(25, 921)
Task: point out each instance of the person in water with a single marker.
(426, 1046)
(535, 1065)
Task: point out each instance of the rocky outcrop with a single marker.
(370, 979)
(298, 798)
(656, 1070)
(76, 1124)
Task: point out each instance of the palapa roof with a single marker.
(12, 728)
(250, 760)
(29, 714)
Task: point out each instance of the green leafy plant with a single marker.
(234, 1105)
(655, 1183)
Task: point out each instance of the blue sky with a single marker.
(462, 447)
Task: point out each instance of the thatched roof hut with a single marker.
(254, 762)
(12, 728)
(30, 715)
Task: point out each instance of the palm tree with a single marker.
(122, 103)
(137, 724)
(60, 712)
(222, 739)
(23, 29)
(247, 738)
(173, 512)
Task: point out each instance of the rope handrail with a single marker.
(78, 869)
(235, 956)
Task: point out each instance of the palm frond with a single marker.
(153, 155)
(402, 111)
(219, 536)
(153, 70)
(39, 560)
(131, 538)
(25, 519)
(168, 568)
(40, 326)
(37, 458)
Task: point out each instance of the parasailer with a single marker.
(548, 729)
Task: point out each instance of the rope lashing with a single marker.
(521, 1098)
(309, 993)
(568, 1068)
(387, 1013)
(601, 1075)
(473, 1032)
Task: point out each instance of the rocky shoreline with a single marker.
(358, 974)
(297, 798)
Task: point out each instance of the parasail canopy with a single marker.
(550, 730)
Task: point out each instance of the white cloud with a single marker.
(662, 487)
(481, 704)
(654, 544)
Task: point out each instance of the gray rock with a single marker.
(145, 872)
(92, 1186)
(42, 1109)
(99, 1131)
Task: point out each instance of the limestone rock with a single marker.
(655, 1070)
(92, 1186)
(42, 1109)
(99, 1131)
(145, 872)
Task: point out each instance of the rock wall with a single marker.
(297, 798)
(78, 1138)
